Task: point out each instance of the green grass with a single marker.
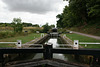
(6, 45)
(23, 38)
(82, 38)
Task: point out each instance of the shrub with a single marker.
(6, 34)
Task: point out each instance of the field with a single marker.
(24, 39)
(7, 32)
(29, 29)
(82, 38)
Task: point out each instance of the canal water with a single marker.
(56, 43)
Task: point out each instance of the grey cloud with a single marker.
(33, 6)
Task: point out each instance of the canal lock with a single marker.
(57, 41)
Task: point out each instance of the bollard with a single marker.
(76, 44)
(47, 51)
(19, 43)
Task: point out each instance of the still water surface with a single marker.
(56, 42)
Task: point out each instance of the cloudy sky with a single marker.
(31, 11)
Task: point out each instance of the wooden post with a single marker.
(95, 61)
(90, 60)
(2, 59)
(48, 51)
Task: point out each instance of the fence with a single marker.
(76, 44)
(18, 43)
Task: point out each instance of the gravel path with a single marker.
(88, 35)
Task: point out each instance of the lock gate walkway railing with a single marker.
(48, 51)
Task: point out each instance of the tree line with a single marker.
(25, 24)
(18, 25)
(79, 13)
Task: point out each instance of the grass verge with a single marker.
(82, 38)
(24, 39)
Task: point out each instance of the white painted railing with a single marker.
(87, 43)
(18, 43)
(8, 42)
(76, 44)
(65, 45)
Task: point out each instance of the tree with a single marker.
(52, 26)
(27, 24)
(17, 25)
(5, 24)
(46, 28)
(80, 13)
(59, 21)
(79, 9)
(93, 7)
(35, 25)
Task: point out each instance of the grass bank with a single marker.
(88, 29)
(8, 32)
(24, 39)
(82, 38)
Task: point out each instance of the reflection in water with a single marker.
(60, 56)
(38, 55)
(56, 42)
(53, 41)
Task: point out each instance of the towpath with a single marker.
(88, 35)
